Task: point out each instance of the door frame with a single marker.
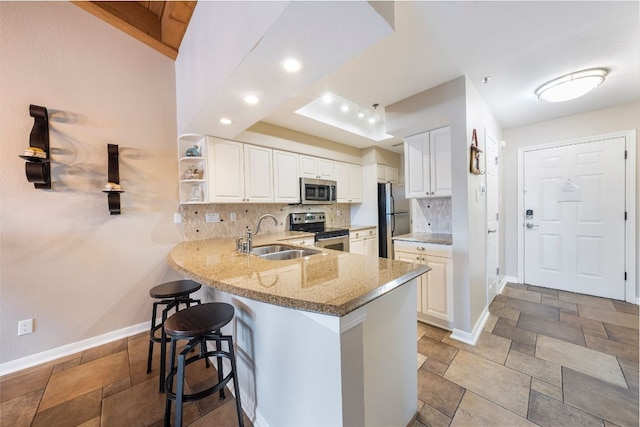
(631, 261)
(498, 237)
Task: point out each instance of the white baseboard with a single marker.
(472, 338)
(76, 347)
(504, 281)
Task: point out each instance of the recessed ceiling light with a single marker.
(372, 120)
(251, 99)
(327, 98)
(360, 114)
(291, 65)
(344, 108)
(225, 121)
(571, 86)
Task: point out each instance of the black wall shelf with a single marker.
(113, 175)
(38, 169)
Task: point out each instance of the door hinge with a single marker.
(626, 153)
(625, 275)
(625, 215)
(497, 271)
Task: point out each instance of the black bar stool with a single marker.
(198, 325)
(171, 295)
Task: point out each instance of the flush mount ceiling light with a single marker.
(225, 121)
(291, 65)
(572, 85)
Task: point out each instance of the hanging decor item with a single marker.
(113, 187)
(474, 166)
(37, 167)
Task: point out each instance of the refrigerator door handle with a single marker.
(393, 224)
(393, 202)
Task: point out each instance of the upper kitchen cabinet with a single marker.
(387, 174)
(239, 172)
(348, 182)
(428, 164)
(286, 182)
(192, 168)
(315, 167)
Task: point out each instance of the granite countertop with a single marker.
(356, 227)
(332, 282)
(435, 238)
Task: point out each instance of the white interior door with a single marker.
(574, 201)
(493, 228)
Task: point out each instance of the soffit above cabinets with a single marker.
(159, 24)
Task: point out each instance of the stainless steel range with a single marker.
(326, 237)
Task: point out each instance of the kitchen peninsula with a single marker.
(324, 340)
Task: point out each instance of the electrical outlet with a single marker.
(25, 327)
(232, 217)
(212, 217)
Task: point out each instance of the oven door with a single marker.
(340, 243)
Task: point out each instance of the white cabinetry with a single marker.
(192, 170)
(349, 182)
(286, 182)
(427, 158)
(435, 288)
(387, 174)
(315, 167)
(239, 172)
(364, 242)
(300, 241)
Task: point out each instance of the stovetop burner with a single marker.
(314, 222)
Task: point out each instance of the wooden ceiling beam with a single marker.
(135, 20)
(175, 18)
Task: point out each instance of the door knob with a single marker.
(531, 226)
(491, 231)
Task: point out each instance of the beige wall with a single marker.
(65, 262)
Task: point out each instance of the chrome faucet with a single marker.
(275, 221)
(246, 246)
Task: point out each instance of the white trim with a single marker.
(630, 262)
(630, 203)
(504, 282)
(472, 338)
(76, 347)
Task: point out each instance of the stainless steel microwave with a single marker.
(317, 191)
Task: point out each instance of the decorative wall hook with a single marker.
(474, 166)
(113, 187)
(37, 167)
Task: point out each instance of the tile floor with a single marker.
(545, 357)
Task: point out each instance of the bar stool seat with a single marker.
(171, 295)
(199, 324)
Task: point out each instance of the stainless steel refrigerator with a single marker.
(393, 216)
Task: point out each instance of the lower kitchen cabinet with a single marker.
(300, 241)
(364, 242)
(435, 288)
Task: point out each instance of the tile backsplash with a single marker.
(432, 215)
(195, 227)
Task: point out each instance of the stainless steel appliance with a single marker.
(317, 191)
(393, 216)
(325, 237)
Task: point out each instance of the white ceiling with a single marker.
(521, 45)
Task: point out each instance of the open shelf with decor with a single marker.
(192, 168)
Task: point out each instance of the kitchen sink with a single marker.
(269, 249)
(289, 254)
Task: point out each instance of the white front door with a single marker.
(493, 231)
(574, 202)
